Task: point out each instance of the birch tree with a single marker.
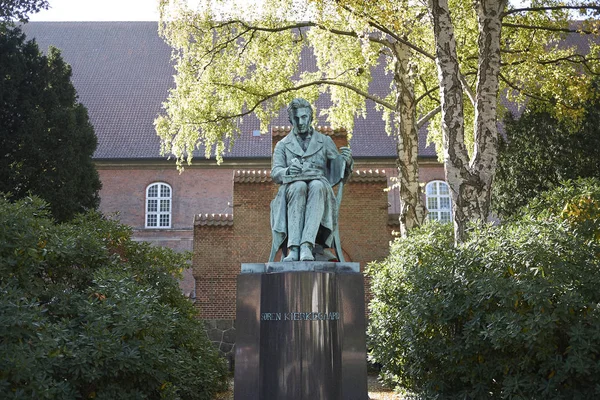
(234, 64)
(470, 180)
(470, 174)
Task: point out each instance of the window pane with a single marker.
(445, 216)
(439, 202)
(165, 220)
(153, 191)
(165, 191)
(432, 203)
(151, 220)
(152, 205)
(432, 189)
(445, 203)
(165, 205)
(444, 189)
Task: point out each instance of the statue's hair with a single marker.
(296, 104)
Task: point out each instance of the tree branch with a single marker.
(546, 28)
(549, 8)
(467, 89)
(392, 34)
(301, 25)
(424, 119)
(419, 50)
(572, 58)
(427, 91)
(531, 95)
(266, 97)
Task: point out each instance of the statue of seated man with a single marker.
(307, 165)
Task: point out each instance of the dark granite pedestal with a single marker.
(300, 332)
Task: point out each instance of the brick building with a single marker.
(122, 72)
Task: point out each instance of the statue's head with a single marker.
(300, 114)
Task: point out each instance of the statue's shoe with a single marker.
(329, 256)
(292, 255)
(306, 253)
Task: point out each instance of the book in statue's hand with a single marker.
(307, 175)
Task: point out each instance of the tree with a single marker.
(226, 70)
(86, 312)
(19, 9)
(541, 150)
(46, 139)
(509, 313)
(470, 177)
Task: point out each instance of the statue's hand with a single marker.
(346, 152)
(295, 168)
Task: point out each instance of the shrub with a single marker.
(85, 312)
(542, 148)
(577, 202)
(511, 313)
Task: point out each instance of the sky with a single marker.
(105, 10)
(98, 10)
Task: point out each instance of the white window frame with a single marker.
(157, 209)
(433, 195)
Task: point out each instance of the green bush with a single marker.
(577, 202)
(85, 312)
(512, 313)
(541, 148)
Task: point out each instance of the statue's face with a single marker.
(302, 120)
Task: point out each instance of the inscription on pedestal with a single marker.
(300, 316)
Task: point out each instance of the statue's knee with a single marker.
(298, 188)
(317, 185)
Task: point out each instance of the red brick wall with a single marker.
(213, 267)
(428, 171)
(220, 251)
(252, 226)
(364, 220)
(195, 191)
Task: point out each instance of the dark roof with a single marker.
(122, 72)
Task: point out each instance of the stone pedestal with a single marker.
(300, 332)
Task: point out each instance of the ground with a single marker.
(376, 391)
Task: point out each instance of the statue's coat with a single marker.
(323, 155)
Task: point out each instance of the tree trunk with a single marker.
(412, 210)
(469, 180)
(485, 152)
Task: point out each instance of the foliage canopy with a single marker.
(510, 313)
(46, 139)
(541, 150)
(85, 312)
(20, 9)
(444, 57)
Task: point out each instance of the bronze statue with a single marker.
(307, 165)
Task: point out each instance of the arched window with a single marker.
(438, 201)
(158, 205)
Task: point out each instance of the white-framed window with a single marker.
(158, 205)
(439, 203)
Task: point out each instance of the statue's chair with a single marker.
(336, 177)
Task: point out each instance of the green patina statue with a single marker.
(307, 165)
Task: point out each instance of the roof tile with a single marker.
(123, 72)
(213, 220)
